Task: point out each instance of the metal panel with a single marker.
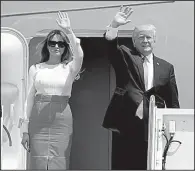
(14, 56)
(172, 128)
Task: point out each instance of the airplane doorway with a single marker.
(91, 94)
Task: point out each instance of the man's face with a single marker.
(144, 42)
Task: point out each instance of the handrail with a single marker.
(83, 9)
(8, 134)
(151, 132)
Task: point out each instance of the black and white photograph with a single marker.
(97, 85)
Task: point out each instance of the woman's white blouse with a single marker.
(52, 79)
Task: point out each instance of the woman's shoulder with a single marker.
(32, 70)
(32, 67)
(35, 67)
(39, 65)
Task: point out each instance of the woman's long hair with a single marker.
(66, 56)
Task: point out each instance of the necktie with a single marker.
(145, 66)
(140, 111)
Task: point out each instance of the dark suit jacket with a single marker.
(130, 89)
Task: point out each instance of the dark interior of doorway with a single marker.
(90, 97)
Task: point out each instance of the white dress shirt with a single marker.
(149, 75)
(147, 65)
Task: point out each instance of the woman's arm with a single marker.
(30, 98)
(64, 22)
(77, 61)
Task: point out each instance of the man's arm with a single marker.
(118, 61)
(119, 20)
(171, 97)
(111, 35)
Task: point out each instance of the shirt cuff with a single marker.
(111, 33)
(139, 112)
(25, 127)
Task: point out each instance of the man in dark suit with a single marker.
(139, 74)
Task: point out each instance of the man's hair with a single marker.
(147, 27)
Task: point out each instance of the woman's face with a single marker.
(56, 45)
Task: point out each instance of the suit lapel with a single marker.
(139, 63)
(156, 66)
(137, 60)
(157, 69)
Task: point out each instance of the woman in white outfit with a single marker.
(48, 118)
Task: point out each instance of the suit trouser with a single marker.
(129, 149)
